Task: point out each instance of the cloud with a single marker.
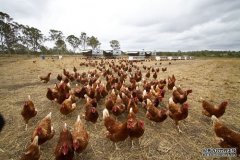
(137, 24)
(24, 8)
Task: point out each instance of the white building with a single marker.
(97, 52)
(141, 53)
(136, 58)
(117, 52)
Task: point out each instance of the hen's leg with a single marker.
(26, 126)
(116, 147)
(132, 144)
(95, 126)
(177, 125)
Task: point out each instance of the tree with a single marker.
(32, 37)
(84, 40)
(73, 41)
(93, 42)
(60, 45)
(115, 44)
(43, 49)
(8, 32)
(55, 35)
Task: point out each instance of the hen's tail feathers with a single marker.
(68, 84)
(113, 91)
(118, 96)
(74, 105)
(148, 102)
(65, 126)
(201, 99)
(131, 110)
(174, 88)
(170, 101)
(49, 115)
(29, 97)
(78, 118)
(144, 93)
(35, 140)
(105, 113)
(214, 119)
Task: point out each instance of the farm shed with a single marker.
(136, 58)
(133, 53)
(161, 58)
(86, 52)
(142, 53)
(154, 53)
(108, 53)
(97, 52)
(117, 52)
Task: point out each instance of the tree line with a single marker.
(203, 53)
(20, 39)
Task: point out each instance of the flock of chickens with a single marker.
(125, 90)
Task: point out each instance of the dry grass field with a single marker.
(215, 79)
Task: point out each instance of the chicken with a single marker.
(154, 114)
(28, 111)
(137, 93)
(80, 92)
(98, 94)
(155, 75)
(228, 138)
(80, 136)
(52, 94)
(135, 126)
(91, 114)
(44, 130)
(118, 107)
(116, 131)
(67, 106)
(171, 82)
(113, 95)
(90, 91)
(164, 69)
(64, 149)
(125, 99)
(32, 151)
(132, 104)
(66, 73)
(59, 77)
(103, 90)
(93, 101)
(210, 109)
(45, 79)
(147, 74)
(63, 92)
(109, 103)
(74, 69)
(177, 112)
(180, 96)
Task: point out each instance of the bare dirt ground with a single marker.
(213, 79)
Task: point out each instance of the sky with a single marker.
(162, 25)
